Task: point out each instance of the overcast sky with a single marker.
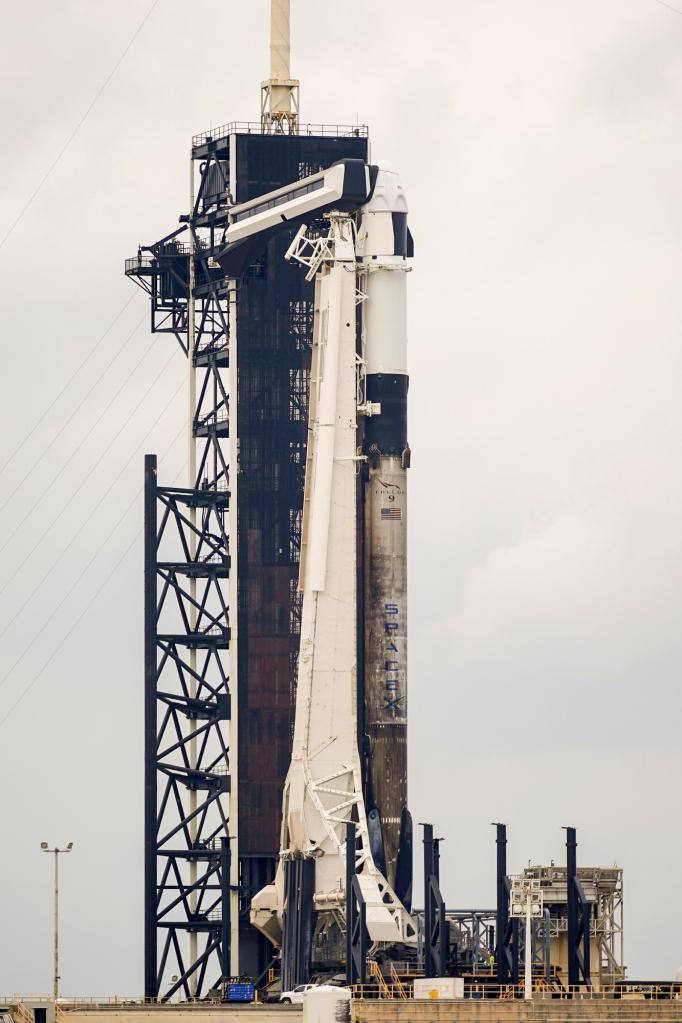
(540, 147)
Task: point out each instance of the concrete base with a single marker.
(182, 1013)
(469, 1010)
(494, 1011)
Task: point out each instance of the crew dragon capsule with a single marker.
(349, 750)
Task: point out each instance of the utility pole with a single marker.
(528, 946)
(56, 851)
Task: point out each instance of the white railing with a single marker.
(256, 128)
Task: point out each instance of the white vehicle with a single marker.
(295, 997)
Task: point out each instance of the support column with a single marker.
(507, 948)
(350, 874)
(225, 914)
(579, 913)
(435, 924)
(150, 671)
(428, 910)
(233, 533)
(192, 941)
(356, 916)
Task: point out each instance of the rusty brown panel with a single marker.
(260, 819)
(265, 751)
(265, 714)
(255, 547)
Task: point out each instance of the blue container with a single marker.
(240, 992)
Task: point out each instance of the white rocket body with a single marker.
(324, 785)
(382, 250)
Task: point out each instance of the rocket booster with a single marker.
(349, 755)
(383, 248)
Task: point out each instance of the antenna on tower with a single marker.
(279, 94)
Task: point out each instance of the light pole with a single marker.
(527, 900)
(44, 846)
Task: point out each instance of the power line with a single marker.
(92, 469)
(79, 125)
(77, 409)
(89, 473)
(66, 635)
(669, 6)
(66, 386)
(85, 437)
(70, 590)
(85, 610)
(82, 525)
(68, 593)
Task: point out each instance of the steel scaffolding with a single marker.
(190, 661)
(603, 888)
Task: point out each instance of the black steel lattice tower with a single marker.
(188, 662)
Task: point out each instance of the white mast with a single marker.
(279, 94)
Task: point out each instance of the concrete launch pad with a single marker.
(637, 1008)
(472, 1011)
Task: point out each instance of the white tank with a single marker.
(326, 1004)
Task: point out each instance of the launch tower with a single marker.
(222, 608)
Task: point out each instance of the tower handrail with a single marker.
(376, 974)
(402, 991)
(255, 128)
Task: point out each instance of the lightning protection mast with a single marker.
(280, 93)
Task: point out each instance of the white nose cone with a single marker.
(386, 209)
(677, 979)
(381, 244)
(388, 195)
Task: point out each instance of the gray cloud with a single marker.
(541, 153)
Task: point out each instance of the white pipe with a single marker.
(528, 953)
(233, 533)
(56, 925)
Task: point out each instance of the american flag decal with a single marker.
(391, 514)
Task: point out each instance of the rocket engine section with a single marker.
(383, 246)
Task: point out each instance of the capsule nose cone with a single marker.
(388, 195)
